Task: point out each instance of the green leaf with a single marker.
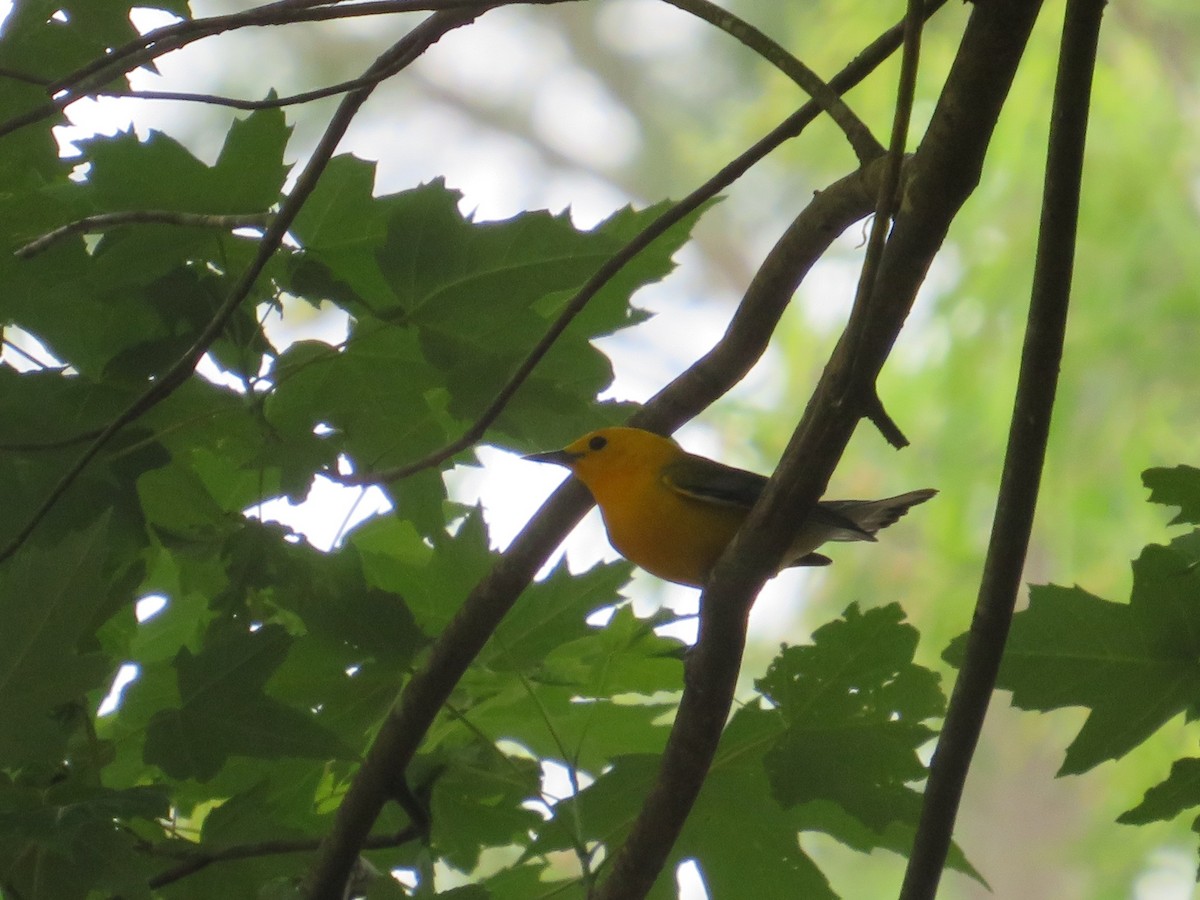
(160, 173)
(49, 599)
(433, 584)
(1133, 665)
(756, 855)
(326, 591)
(1180, 487)
(768, 862)
(341, 227)
(154, 689)
(225, 441)
(532, 879)
(176, 500)
(225, 711)
(279, 804)
(472, 299)
(181, 623)
(380, 398)
(552, 612)
(63, 840)
(481, 295)
(27, 477)
(854, 704)
(478, 801)
(553, 722)
(1166, 800)
(623, 657)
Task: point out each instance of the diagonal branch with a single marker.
(866, 147)
(90, 80)
(1028, 434)
(403, 52)
(160, 41)
(105, 221)
(197, 861)
(888, 203)
(945, 171)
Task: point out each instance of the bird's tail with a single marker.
(862, 518)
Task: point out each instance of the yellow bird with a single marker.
(672, 512)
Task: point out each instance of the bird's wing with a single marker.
(713, 482)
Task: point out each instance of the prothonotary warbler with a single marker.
(672, 512)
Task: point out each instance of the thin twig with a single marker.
(888, 203)
(25, 354)
(331, 90)
(392, 60)
(865, 146)
(1029, 432)
(92, 78)
(163, 40)
(167, 38)
(196, 861)
(17, 75)
(105, 221)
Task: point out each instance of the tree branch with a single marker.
(886, 205)
(194, 862)
(156, 43)
(90, 79)
(403, 52)
(945, 170)
(1027, 438)
(18, 75)
(866, 148)
(104, 221)
(330, 90)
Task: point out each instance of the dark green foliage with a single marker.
(854, 705)
(263, 677)
(832, 750)
(1180, 487)
(1132, 665)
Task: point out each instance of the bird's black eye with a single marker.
(599, 442)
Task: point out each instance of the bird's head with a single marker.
(612, 453)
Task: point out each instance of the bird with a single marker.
(673, 513)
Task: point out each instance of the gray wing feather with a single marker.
(715, 482)
(842, 520)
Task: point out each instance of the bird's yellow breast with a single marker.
(668, 534)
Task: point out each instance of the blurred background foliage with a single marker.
(592, 105)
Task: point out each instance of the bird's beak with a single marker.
(558, 457)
